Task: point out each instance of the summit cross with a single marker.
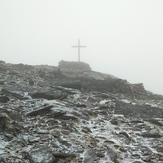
(79, 46)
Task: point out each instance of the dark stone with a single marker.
(125, 134)
(151, 134)
(114, 121)
(67, 117)
(2, 160)
(100, 154)
(3, 121)
(64, 155)
(41, 111)
(16, 95)
(2, 82)
(48, 96)
(138, 111)
(4, 99)
(72, 84)
(31, 82)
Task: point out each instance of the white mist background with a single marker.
(123, 37)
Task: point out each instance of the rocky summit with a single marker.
(59, 114)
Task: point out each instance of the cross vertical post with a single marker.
(78, 46)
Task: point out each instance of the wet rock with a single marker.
(16, 144)
(100, 154)
(2, 69)
(58, 114)
(2, 160)
(86, 130)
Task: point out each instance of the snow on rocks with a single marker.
(82, 127)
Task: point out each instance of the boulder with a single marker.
(74, 65)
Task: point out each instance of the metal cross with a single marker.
(78, 46)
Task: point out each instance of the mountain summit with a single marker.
(71, 114)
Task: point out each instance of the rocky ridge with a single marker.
(51, 115)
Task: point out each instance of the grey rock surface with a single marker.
(76, 116)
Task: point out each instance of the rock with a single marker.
(41, 111)
(146, 158)
(2, 82)
(112, 154)
(160, 149)
(64, 155)
(3, 121)
(4, 99)
(152, 134)
(31, 82)
(16, 95)
(48, 96)
(74, 65)
(42, 155)
(72, 84)
(89, 156)
(100, 154)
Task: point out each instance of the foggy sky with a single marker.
(123, 37)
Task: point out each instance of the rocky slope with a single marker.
(51, 115)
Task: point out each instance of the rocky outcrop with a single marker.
(74, 65)
(86, 118)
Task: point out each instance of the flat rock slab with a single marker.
(41, 111)
(48, 96)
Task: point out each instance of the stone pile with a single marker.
(42, 120)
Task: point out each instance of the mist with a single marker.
(123, 38)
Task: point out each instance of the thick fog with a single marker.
(123, 37)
